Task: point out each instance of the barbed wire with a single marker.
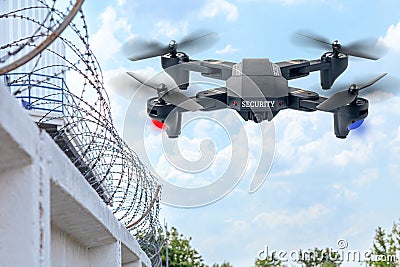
(62, 87)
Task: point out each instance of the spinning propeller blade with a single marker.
(150, 54)
(192, 43)
(371, 82)
(337, 100)
(142, 79)
(168, 95)
(197, 41)
(365, 48)
(346, 97)
(312, 39)
(180, 100)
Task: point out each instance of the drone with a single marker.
(256, 88)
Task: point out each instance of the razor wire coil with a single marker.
(77, 114)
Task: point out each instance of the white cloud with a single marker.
(344, 192)
(227, 50)
(179, 177)
(392, 37)
(180, 162)
(395, 142)
(336, 4)
(309, 140)
(104, 43)
(121, 2)
(358, 152)
(214, 8)
(295, 145)
(169, 29)
(367, 177)
(291, 2)
(75, 82)
(284, 218)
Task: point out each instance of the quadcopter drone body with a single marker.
(257, 88)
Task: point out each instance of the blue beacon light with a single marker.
(355, 125)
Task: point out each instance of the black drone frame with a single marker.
(257, 88)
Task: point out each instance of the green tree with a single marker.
(224, 264)
(319, 258)
(269, 262)
(385, 247)
(180, 252)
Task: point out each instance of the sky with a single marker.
(319, 189)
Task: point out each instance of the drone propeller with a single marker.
(365, 48)
(346, 97)
(168, 95)
(194, 42)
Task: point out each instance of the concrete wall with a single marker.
(49, 214)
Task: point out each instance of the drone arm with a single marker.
(223, 69)
(330, 68)
(214, 69)
(304, 100)
(311, 104)
(180, 70)
(294, 69)
(197, 66)
(317, 65)
(212, 99)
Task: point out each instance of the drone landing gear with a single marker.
(347, 115)
(174, 124)
(166, 113)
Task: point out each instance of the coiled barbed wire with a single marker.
(63, 90)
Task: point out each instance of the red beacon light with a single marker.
(158, 124)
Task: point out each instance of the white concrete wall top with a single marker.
(44, 199)
(16, 149)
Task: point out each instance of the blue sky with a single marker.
(320, 188)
